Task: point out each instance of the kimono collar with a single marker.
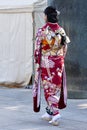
(53, 26)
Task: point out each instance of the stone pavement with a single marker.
(16, 112)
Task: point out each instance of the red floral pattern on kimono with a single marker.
(52, 65)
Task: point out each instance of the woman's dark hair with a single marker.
(51, 13)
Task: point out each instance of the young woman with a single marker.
(50, 49)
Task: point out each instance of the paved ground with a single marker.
(16, 112)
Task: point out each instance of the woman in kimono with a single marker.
(51, 46)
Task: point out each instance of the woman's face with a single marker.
(45, 18)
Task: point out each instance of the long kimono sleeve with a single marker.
(64, 50)
(65, 40)
(37, 78)
(37, 46)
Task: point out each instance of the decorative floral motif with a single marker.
(47, 63)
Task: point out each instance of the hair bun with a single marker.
(52, 14)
